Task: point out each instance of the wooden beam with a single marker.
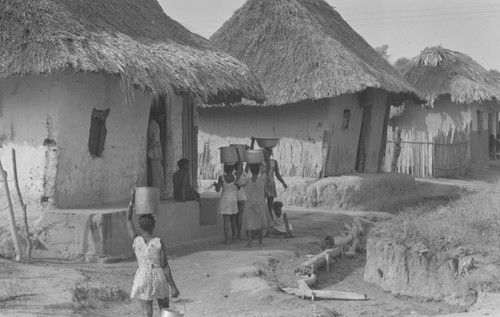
(324, 294)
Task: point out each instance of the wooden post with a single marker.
(23, 206)
(15, 238)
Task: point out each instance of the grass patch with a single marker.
(470, 223)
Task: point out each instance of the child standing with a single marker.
(255, 208)
(153, 276)
(228, 201)
(241, 197)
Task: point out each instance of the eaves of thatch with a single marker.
(303, 50)
(132, 39)
(438, 71)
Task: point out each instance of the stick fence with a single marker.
(418, 153)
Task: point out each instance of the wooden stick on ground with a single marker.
(23, 206)
(307, 282)
(319, 260)
(324, 294)
(13, 229)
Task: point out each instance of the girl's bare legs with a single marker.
(249, 234)
(163, 303)
(226, 228)
(239, 218)
(147, 306)
(233, 227)
(270, 201)
(260, 237)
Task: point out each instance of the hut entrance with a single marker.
(156, 145)
(363, 139)
(190, 137)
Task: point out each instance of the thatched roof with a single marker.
(439, 71)
(134, 39)
(304, 50)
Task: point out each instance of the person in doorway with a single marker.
(155, 156)
(281, 225)
(153, 277)
(183, 190)
(228, 204)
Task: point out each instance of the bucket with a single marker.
(240, 148)
(168, 312)
(228, 154)
(254, 156)
(147, 200)
(268, 143)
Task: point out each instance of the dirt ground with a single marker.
(226, 280)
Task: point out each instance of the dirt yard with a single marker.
(225, 280)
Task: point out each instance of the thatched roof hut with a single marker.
(439, 71)
(304, 50)
(133, 39)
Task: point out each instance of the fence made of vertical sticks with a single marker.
(444, 154)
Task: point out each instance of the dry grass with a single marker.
(438, 71)
(304, 50)
(470, 224)
(133, 39)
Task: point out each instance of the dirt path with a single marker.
(225, 280)
(219, 280)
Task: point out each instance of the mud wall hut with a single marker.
(79, 81)
(328, 90)
(462, 97)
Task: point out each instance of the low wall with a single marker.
(72, 233)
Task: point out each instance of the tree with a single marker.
(402, 65)
(383, 51)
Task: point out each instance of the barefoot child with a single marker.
(228, 201)
(281, 226)
(153, 276)
(241, 196)
(255, 208)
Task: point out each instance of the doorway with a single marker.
(363, 139)
(156, 142)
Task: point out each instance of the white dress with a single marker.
(228, 202)
(149, 282)
(242, 181)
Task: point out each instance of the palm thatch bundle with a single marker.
(133, 39)
(304, 50)
(439, 71)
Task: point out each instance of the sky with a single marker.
(407, 26)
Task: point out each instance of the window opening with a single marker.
(346, 118)
(480, 124)
(98, 132)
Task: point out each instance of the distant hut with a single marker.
(463, 104)
(328, 90)
(79, 81)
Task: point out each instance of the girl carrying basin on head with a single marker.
(153, 276)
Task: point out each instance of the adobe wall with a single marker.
(47, 120)
(300, 127)
(446, 115)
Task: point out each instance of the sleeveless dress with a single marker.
(149, 281)
(270, 183)
(228, 202)
(241, 195)
(256, 214)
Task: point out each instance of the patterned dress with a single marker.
(228, 202)
(149, 281)
(270, 183)
(256, 215)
